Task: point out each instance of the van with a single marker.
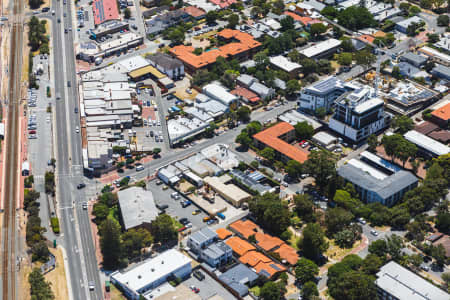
(139, 168)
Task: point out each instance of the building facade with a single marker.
(321, 94)
(358, 114)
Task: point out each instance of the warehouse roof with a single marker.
(284, 63)
(320, 48)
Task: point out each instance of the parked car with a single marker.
(81, 185)
(199, 275)
(374, 232)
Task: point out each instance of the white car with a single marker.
(284, 183)
(374, 232)
(77, 129)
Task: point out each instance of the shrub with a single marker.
(55, 225)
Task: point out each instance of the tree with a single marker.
(317, 29)
(321, 112)
(134, 240)
(415, 259)
(253, 128)
(443, 20)
(110, 243)
(156, 151)
(313, 242)
(346, 238)
(176, 35)
(396, 72)
(294, 56)
(209, 131)
(321, 166)
(163, 229)
(243, 113)
(309, 290)
(402, 123)
(228, 78)
(244, 139)
(268, 154)
(378, 247)
(100, 211)
(446, 278)
(330, 12)
(337, 219)
(427, 4)
(443, 222)
(325, 66)
(356, 17)
(371, 264)
(343, 198)
(39, 288)
(345, 58)
(293, 168)
(270, 212)
(270, 291)
(438, 254)
(404, 6)
(306, 270)
(353, 285)
(394, 245)
(365, 58)
(414, 10)
(233, 20)
(309, 66)
(211, 16)
(347, 45)
(287, 23)
(372, 142)
(127, 13)
(304, 207)
(303, 130)
(292, 86)
(432, 38)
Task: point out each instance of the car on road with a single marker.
(77, 129)
(186, 203)
(81, 185)
(65, 30)
(165, 187)
(85, 205)
(196, 212)
(76, 110)
(139, 168)
(374, 232)
(184, 221)
(69, 84)
(425, 268)
(199, 275)
(91, 285)
(159, 182)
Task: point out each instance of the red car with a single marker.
(302, 142)
(32, 131)
(182, 229)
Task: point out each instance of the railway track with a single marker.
(12, 163)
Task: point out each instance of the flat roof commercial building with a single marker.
(396, 282)
(375, 184)
(137, 207)
(278, 138)
(153, 272)
(282, 63)
(426, 145)
(293, 117)
(229, 192)
(322, 49)
(321, 94)
(105, 10)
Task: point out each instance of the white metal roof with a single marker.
(366, 105)
(152, 269)
(284, 63)
(426, 143)
(320, 47)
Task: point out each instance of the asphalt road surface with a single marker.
(76, 229)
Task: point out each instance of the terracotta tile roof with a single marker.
(293, 15)
(270, 138)
(239, 246)
(244, 42)
(442, 113)
(246, 94)
(442, 136)
(366, 38)
(223, 233)
(426, 127)
(245, 228)
(223, 3)
(267, 242)
(252, 258)
(268, 269)
(288, 253)
(194, 11)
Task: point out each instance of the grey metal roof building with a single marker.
(397, 282)
(137, 207)
(414, 59)
(375, 186)
(441, 72)
(238, 278)
(251, 180)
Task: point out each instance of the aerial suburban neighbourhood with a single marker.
(225, 149)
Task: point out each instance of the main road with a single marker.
(76, 229)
